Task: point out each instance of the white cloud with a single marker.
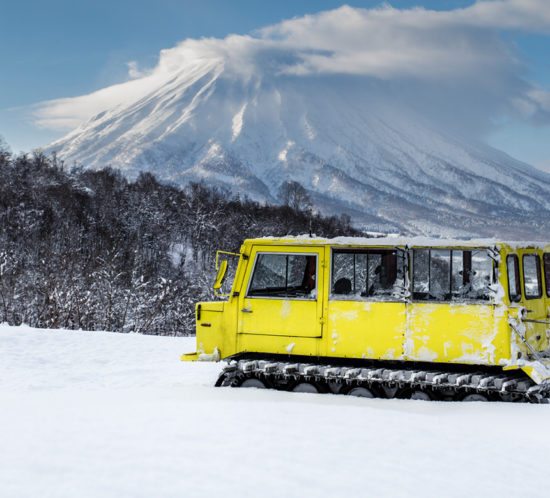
(431, 56)
(543, 165)
(68, 113)
(541, 98)
(528, 15)
(134, 71)
(533, 105)
(388, 42)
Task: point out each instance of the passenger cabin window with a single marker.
(452, 275)
(377, 274)
(284, 276)
(531, 276)
(547, 272)
(514, 286)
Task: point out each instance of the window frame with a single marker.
(365, 250)
(546, 280)
(539, 274)
(314, 291)
(485, 302)
(519, 296)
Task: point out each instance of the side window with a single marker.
(377, 273)
(343, 273)
(479, 276)
(283, 276)
(514, 287)
(451, 275)
(546, 258)
(421, 273)
(440, 274)
(531, 276)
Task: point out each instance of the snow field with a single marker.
(95, 414)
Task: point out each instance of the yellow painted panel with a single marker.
(457, 333)
(289, 317)
(278, 345)
(538, 370)
(210, 327)
(366, 329)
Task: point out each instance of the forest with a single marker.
(92, 250)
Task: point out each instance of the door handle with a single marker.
(247, 310)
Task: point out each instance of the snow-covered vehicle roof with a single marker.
(399, 241)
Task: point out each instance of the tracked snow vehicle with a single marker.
(387, 317)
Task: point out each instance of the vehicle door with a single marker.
(367, 305)
(452, 315)
(533, 299)
(546, 273)
(282, 294)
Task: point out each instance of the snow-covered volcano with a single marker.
(345, 139)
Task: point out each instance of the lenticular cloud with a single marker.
(458, 54)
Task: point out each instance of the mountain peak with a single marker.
(354, 146)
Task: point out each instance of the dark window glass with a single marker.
(547, 272)
(421, 273)
(283, 275)
(460, 278)
(480, 275)
(361, 273)
(531, 276)
(447, 275)
(343, 268)
(369, 273)
(440, 274)
(514, 287)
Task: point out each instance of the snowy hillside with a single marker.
(93, 414)
(355, 147)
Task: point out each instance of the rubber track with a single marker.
(280, 375)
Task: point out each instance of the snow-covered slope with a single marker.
(94, 414)
(353, 146)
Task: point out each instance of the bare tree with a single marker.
(93, 250)
(5, 152)
(294, 195)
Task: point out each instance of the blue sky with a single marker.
(61, 48)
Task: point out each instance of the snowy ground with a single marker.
(93, 414)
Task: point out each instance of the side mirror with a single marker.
(221, 266)
(220, 277)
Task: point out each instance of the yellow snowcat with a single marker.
(383, 317)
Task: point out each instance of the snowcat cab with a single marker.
(390, 317)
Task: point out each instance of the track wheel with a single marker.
(222, 380)
(361, 392)
(305, 387)
(419, 394)
(475, 397)
(257, 383)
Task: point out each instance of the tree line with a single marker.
(92, 250)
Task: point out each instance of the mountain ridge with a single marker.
(353, 145)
